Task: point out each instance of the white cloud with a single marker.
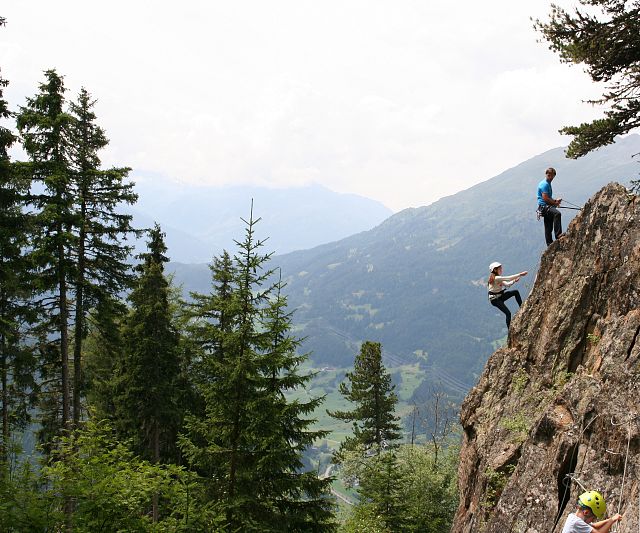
(400, 101)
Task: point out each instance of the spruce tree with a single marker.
(44, 128)
(102, 351)
(374, 422)
(16, 358)
(148, 374)
(300, 498)
(102, 271)
(382, 489)
(249, 444)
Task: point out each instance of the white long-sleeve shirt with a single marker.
(500, 282)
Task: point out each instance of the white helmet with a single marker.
(494, 265)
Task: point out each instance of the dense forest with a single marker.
(153, 412)
(127, 407)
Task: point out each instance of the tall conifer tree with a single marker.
(101, 257)
(370, 389)
(16, 359)
(147, 406)
(102, 353)
(44, 127)
(249, 444)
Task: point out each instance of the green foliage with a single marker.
(593, 339)
(519, 380)
(603, 38)
(409, 489)
(365, 519)
(17, 360)
(374, 422)
(561, 378)
(102, 269)
(6, 137)
(432, 492)
(24, 503)
(44, 128)
(248, 445)
(111, 490)
(149, 388)
(76, 237)
(518, 425)
(102, 350)
(496, 481)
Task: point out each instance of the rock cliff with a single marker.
(559, 405)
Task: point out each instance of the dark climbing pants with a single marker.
(552, 221)
(499, 303)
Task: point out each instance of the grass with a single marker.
(326, 382)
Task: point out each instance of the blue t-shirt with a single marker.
(544, 186)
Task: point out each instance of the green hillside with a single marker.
(415, 283)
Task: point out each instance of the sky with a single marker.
(402, 101)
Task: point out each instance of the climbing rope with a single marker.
(571, 475)
(574, 205)
(626, 459)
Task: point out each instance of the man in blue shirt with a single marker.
(547, 207)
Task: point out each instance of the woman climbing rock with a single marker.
(497, 292)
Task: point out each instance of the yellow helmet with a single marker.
(594, 501)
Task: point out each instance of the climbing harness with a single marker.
(542, 209)
(495, 295)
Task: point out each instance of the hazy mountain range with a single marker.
(416, 282)
(202, 221)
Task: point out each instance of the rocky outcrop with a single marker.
(559, 406)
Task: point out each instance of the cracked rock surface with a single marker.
(559, 405)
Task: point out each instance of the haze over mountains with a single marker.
(201, 221)
(415, 282)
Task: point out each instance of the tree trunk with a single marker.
(4, 446)
(156, 459)
(79, 326)
(64, 335)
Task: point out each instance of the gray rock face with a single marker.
(559, 406)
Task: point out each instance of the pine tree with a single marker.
(101, 257)
(374, 422)
(16, 358)
(249, 444)
(382, 489)
(103, 349)
(603, 38)
(44, 127)
(148, 374)
(300, 498)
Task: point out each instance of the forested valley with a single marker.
(128, 406)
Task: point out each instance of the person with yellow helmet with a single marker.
(590, 507)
